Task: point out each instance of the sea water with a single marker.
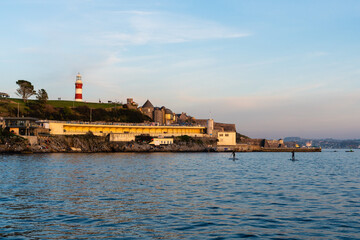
(180, 196)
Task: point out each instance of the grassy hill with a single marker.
(70, 110)
(62, 103)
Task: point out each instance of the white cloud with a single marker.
(154, 27)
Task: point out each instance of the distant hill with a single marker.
(71, 111)
(324, 143)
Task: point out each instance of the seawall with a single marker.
(93, 144)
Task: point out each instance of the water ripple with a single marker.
(180, 196)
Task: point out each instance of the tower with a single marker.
(210, 126)
(78, 88)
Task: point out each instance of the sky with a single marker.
(274, 68)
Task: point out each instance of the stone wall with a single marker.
(221, 127)
(121, 137)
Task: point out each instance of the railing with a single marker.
(122, 124)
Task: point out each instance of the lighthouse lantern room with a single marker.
(78, 88)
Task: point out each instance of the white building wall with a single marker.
(226, 138)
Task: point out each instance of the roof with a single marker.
(21, 118)
(168, 111)
(148, 104)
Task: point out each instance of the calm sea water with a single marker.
(180, 196)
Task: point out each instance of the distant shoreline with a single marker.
(96, 144)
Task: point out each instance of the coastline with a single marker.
(96, 144)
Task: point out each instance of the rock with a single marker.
(86, 143)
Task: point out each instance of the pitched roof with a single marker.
(148, 104)
(168, 111)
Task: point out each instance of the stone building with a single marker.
(158, 115)
(218, 127)
(130, 104)
(148, 109)
(162, 116)
(226, 138)
(183, 118)
(263, 143)
(170, 117)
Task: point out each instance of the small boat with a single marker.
(350, 150)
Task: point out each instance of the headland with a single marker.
(48, 126)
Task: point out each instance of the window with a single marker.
(226, 135)
(221, 135)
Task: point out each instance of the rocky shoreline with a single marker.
(95, 144)
(92, 144)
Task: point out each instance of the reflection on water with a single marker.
(180, 196)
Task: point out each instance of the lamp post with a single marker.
(90, 114)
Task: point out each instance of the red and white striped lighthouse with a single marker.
(78, 88)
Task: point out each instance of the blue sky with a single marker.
(275, 68)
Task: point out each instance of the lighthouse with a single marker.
(78, 88)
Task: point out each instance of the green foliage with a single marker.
(73, 104)
(25, 90)
(117, 115)
(143, 138)
(188, 139)
(89, 134)
(5, 133)
(84, 111)
(42, 96)
(185, 138)
(5, 136)
(101, 112)
(35, 109)
(66, 114)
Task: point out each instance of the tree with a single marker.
(42, 96)
(25, 90)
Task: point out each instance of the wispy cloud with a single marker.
(155, 27)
